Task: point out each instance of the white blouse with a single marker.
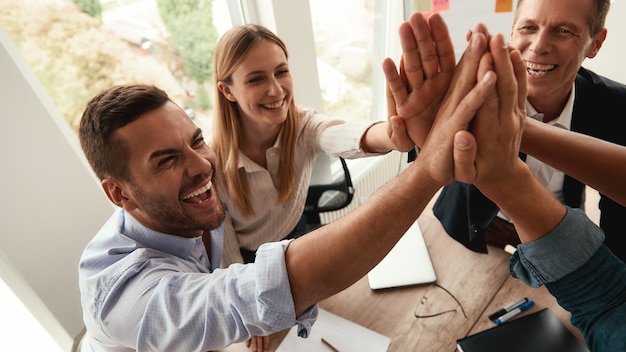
(273, 221)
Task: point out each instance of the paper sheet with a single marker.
(343, 334)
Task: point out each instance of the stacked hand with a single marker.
(472, 132)
(426, 68)
(487, 154)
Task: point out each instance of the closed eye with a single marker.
(198, 139)
(198, 142)
(166, 161)
(256, 79)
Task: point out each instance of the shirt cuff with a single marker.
(274, 291)
(557, 254)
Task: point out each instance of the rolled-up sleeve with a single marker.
(570, 245)
(274, 291)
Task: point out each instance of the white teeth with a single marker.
(273, 106)
(199, 191)
(539, 67)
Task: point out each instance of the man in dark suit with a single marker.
(554, 37)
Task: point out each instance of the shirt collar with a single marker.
(565, 118)
(172, 244)
(250, 166)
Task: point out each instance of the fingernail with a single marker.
(461, 141)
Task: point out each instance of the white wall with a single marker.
(51, 203)
(463, 15)
(610, 60)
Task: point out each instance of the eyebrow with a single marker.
(168, 151)
(561, 23)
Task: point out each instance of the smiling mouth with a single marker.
(200, 195)
(276, 105)
(534, 69)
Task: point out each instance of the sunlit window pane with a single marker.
(75, 53)
(344, 39)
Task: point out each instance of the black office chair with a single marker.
(320, 198)
(328, 197)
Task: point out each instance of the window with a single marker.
(352, 37)
(75, 54)
(344, 43)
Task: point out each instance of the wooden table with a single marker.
(428, 317)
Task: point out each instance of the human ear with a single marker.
(596, 44)
(117, 193)
(225, 90)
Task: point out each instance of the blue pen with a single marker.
(515, 312)
(510, 307)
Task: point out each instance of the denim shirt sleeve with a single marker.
(566, 248)
(584, 276)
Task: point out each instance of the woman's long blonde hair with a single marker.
(231, 50)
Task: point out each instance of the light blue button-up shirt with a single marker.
(148, 291)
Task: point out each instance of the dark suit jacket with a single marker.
(599, 111)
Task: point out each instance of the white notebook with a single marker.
(408, 263)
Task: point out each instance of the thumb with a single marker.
(397, 123)
(399, 135)
(464, 154)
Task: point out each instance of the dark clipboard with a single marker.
(541, 331)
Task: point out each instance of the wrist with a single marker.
(506, 187)
(531, 206)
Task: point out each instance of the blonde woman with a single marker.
(268, 145)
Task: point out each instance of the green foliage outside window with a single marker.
(74, 57)
(90, 7)
(190, 25)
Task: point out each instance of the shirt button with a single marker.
(475, 228)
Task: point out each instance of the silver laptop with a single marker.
(408, 263)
